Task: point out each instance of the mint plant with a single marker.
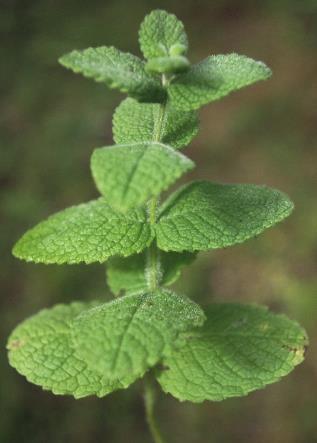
(194, 353)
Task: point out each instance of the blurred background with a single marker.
(266, 134)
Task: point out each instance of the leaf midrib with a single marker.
(123, 336)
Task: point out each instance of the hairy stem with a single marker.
(153, 265)
(149, 401)
(159, 123)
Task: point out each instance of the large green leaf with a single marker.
(239, 349)
(41, 349)
(117, 69)
(204, 215)
(129, 274)
(135, 122)
(90, 232)
(132, 333)
(162, 34)
(213, 78)
(129, 175)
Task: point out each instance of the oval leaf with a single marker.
(204, 215)
(213, 78)
(129, 175)
(239, 349)
(117, 69)
(90, 232)
(41, 349)
(162, 34)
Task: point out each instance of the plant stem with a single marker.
(149, 400)
(153, 277)
(159, 124)
(153, 265)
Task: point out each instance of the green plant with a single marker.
(95, 348)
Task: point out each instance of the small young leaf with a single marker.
(117, 69)
(129, 274)
(90, 232)
(129, 175)
(162, 34)
(135, 122)
(213, 78)
(41, 349)
(204, 215)
(168, 65)
(131, 334)
(239, 349)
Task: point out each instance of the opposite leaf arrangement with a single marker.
(95, 348)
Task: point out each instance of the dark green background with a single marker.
(266, 134)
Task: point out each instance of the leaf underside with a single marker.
(129, 175)
(204, 215)
(41, 349)
(239, 349)
(131, 334)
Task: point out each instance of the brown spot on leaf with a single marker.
(15, 344)
(298, 352)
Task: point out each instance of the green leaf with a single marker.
(129, 175)
(168, 65)
(204, 215)
(131, 334)
(213, 78)
(135, 122)
(41, 349)
(129, 274)
(117, 69)
(162, 34)
(239, 349)
(90, 232)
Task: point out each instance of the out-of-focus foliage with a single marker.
(50, 122)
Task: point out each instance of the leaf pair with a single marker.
(163, 42)
(200, 216)
(135, 122)
(83, 350)
(140, 167)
